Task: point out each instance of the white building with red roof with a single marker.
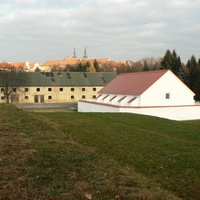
(157, 93)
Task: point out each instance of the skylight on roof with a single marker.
(68, 75)
(84, 75)
(53, 79)
(51, 74)
(102, 79)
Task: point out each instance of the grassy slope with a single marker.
(165, 151)
(39, 161)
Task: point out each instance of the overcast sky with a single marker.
(41, 30)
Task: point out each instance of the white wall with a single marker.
(86, 106)
(173, 113)
(168, 83)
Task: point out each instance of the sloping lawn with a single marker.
(165, 151)
(39, 159)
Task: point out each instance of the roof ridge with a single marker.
(147, 72)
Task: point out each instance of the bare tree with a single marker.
(11, 81)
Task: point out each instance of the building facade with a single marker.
(156, 93)
(58, 87)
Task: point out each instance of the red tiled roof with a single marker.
(18, 65)
(73, 61)
(132, 83)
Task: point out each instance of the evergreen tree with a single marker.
(96, 65)
(176, 63)
(86, 66)
(80, 67)
(37, 69)
(194, 76)
(166, 60)
(146, 67)
(173, 62)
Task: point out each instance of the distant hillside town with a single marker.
(189, 73)
(87, 64)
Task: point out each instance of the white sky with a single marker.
(41, 30)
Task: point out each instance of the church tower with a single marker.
(85, 53)
(74, 54)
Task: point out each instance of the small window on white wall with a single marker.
(167, 95)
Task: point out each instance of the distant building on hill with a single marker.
(25, 66)
(69, 63)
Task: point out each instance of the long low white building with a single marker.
(156, 93)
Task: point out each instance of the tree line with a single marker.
(189, 73)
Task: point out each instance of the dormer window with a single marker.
(167, 96)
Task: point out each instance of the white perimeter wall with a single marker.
(173, 113)
(92, 107)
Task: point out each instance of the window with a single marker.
(94, 89)
(167, 95)
(2, 98)
(72, 97)
(83, 89)
(14, 89)
(94, 96)
(37, 89)
(72, 89)
(26, 90)
(49, 89)
(61, 89)
(83, 96)
(26, 97)
(49, 97)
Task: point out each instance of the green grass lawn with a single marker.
(165, 151)
(68, 156)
